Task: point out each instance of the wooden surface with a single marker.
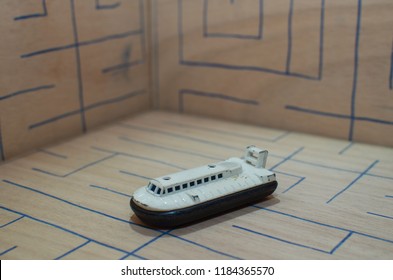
(71, 201)
(315, 66)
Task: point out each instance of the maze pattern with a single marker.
(93, 177)
(83, 39)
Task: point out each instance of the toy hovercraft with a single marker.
(197, 193)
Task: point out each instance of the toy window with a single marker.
(206, 179)
(219, 176)
(158, 190)
(185, 186)
(213, 177)
(199, 181)
(177, 188)
(153, 188)
(192, 183)
(169, 190)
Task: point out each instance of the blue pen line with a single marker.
(206, 32)
(355, 73)
(204, 247)
(156, 57)
(281, 240)
(121, 66)
(8, 250)
(321, 224)
(289, 51)
(134, 174)
(218, 131)
(44, 13)
(145, 244)
(2, 155)
(138, 157)
(87, 108)
(100, 6)
(73, 250)
(346, 148)
(391, 69)
(341, 243)
(13, 221)
(380, 215)
(353, 182)
(389, 196)
(294, 185)
(78, 68)
(110, 190)
(335, 115)
(74, 171)
(85, 43)
(321, 40)
(76, 205)
(64, 229)
(24, 91)
(225, 97)
(287, 158)
(178, 135)
(52, 153)
(124, 138)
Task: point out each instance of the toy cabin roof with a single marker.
(197, 173)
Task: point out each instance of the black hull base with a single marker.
(175, 218)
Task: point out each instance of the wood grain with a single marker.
(71, 200)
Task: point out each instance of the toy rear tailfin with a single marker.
(255, 156)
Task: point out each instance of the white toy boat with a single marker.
(197, 193)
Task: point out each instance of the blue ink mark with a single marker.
(391, 70)
(44, 13)
(289, 51)
(156, 57)
(183, 92)
(322, 224)
(167, 148)
(205, 247)
(346, 148)
(380, 215)
(222, 132)
(301, 178)
(179, 135)
(121, 66)
(110, 190)
(206, 32)
(183, 61)
(13, 221)
(294, 243)
(85, 43)
(65, 230)
(87, 108)
(321, 40)
(353, 182)
(355, 72)
(134, 174)
(24, 91)
(389, 196)
(78, 67)
(52, 153)
(145, 244)
(73, 250)
(287, 158)
(74, 171)
(73, 204)
(8, 250)
(138, 157)
(335, 115)
(2, 155)
(100, 6)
